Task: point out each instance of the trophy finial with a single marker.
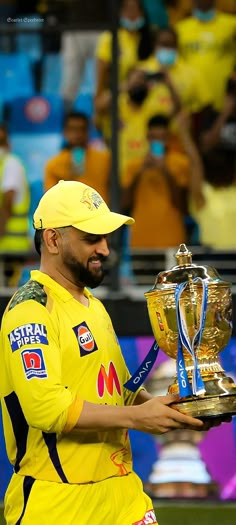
(183, 255)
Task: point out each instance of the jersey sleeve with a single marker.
(33, 358)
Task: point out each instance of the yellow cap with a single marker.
(72, 203)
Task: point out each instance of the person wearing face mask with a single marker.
(167, 67)
(154, 189)
(134, 42)
(207, 42)
(14, 209)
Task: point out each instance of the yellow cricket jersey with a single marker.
(189, 84)
(210, 48)
(55, 353)
(128, 50)
(133, 142)
(217, 218)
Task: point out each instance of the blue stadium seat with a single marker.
(1, 110)
(84, 103)
(36, 115)
(35, 126)
(30, 43)
(52, 70)
(16, 77)
(88, 82)
(51, 74)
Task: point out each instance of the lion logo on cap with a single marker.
(91, 199)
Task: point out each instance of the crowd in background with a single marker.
(177, 121)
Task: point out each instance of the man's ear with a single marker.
(51, 239)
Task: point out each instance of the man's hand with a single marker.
(151, 161)
(157, 417)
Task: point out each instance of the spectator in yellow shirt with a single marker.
(207, 43)
(134, 43)
(79, 160)
(155, 190)
(166, 61)
(217, 218)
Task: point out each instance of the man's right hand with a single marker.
(157, 417)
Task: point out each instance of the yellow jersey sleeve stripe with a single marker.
(73, 414)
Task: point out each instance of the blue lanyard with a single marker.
(137, 379)
(197, 388)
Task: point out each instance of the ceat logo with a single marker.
(108, 380)
(147, 519)
(86, 341)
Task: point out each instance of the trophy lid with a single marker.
(185, 270)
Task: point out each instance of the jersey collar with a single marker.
(59, 290)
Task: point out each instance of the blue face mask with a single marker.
(78, 159)
(166, 56)
(204, 16)
(132, 25)
(157, 148)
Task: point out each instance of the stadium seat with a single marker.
(88, 82)
(36, 115)
(1, 110)
(84, 103)
(30, 43)
(16, 77)
(51, 74)
(35, 126)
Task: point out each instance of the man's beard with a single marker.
(81, 274)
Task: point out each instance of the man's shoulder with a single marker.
(226, 18)
(31, 291)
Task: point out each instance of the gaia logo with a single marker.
(108, 380)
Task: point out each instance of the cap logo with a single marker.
(91, 199)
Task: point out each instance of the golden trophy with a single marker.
(190, 310)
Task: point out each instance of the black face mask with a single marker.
(138, 94)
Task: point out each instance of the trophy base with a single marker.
(208, 407)
(219, 400)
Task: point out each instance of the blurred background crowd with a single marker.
(172, 114)
(136, 98)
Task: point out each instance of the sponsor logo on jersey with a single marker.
(86, 341)
(28, 334)
(107, 381)
(33, 362)
(147, 519)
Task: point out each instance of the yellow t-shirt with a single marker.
(189, 84)
(133, 123)
(217, 218)
(210, 48)
(158, 223)
(183, 8)
(128, 46)
(96, 172)
(55, 352)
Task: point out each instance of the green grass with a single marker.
(197, 513)
(186, 513)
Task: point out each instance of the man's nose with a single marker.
(102, 247)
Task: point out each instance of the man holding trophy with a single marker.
(67, 395)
